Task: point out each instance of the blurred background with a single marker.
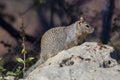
(41, 15)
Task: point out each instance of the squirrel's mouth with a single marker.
(91, 30)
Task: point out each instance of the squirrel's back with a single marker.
(52, 42)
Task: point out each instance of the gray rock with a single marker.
(89, 61)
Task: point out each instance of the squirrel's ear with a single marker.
(81, 20)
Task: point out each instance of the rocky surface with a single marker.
(89, 61)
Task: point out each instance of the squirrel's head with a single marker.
(86, 28)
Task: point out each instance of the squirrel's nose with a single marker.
(91, 30)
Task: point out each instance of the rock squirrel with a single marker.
(61, 38)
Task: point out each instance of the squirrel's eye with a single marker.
(87, 26)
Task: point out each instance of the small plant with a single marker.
(23, 60)
(2, 71)
(18, 70)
